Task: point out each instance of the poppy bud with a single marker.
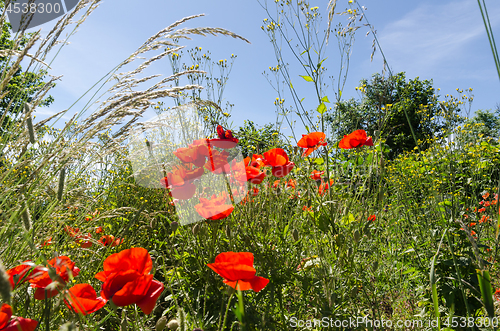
(173, 324)
(295, 235)
(152, 224)
(26, 216)
(349, 252)
(228, 231)
(375, 266)
(60, 190)
(174, 225)
(4, 284)
(196, 229)
(357, 236)
(368, 233)
(161, 323)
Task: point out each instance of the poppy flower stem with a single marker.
(47, 313)
(227, 309)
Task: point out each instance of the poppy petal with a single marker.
(276, 157)
(184, 192)
(83, 299)
(258, 283)
(148, 302)
(133, 291)
(245, 258)
(232, 271)
(242, 285)
(5, 315)
(136, 258)
(20, 323)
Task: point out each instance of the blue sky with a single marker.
(444, 41)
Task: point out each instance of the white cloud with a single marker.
(436, 38)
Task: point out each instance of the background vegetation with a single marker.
(405, 230)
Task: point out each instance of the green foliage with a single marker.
(255, 140)
(388, 104)
(23, 85)
(485, 123)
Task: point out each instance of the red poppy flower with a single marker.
(99, 229)
(17, 323)
(226, 139)
(218, 163)
(497, 295)
(238, 271)
(127, 280)
(17, 275)
(84, 240)
(316, 175)
(254, 175)
(256, 161)
(312, 142)
(484, 219)
(180, 182)
(108, 240)
(255, 191)
(282, 171)
(62, 265)
(82, 299)
(291, 183)
(278, 159)
(372, 218)
(195, 153)
(356, 139)
(275, 157)
(72, 232)
(46, 242)
(323, 187)
(214, 209)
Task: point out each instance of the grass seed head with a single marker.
(4, 284)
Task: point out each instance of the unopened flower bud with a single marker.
(295, 235)
(357, 236)
(368, 233)
(173, 324)
(196, 229)
(161, 323)
(4, 284)
(174, 225)
(375, 266)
